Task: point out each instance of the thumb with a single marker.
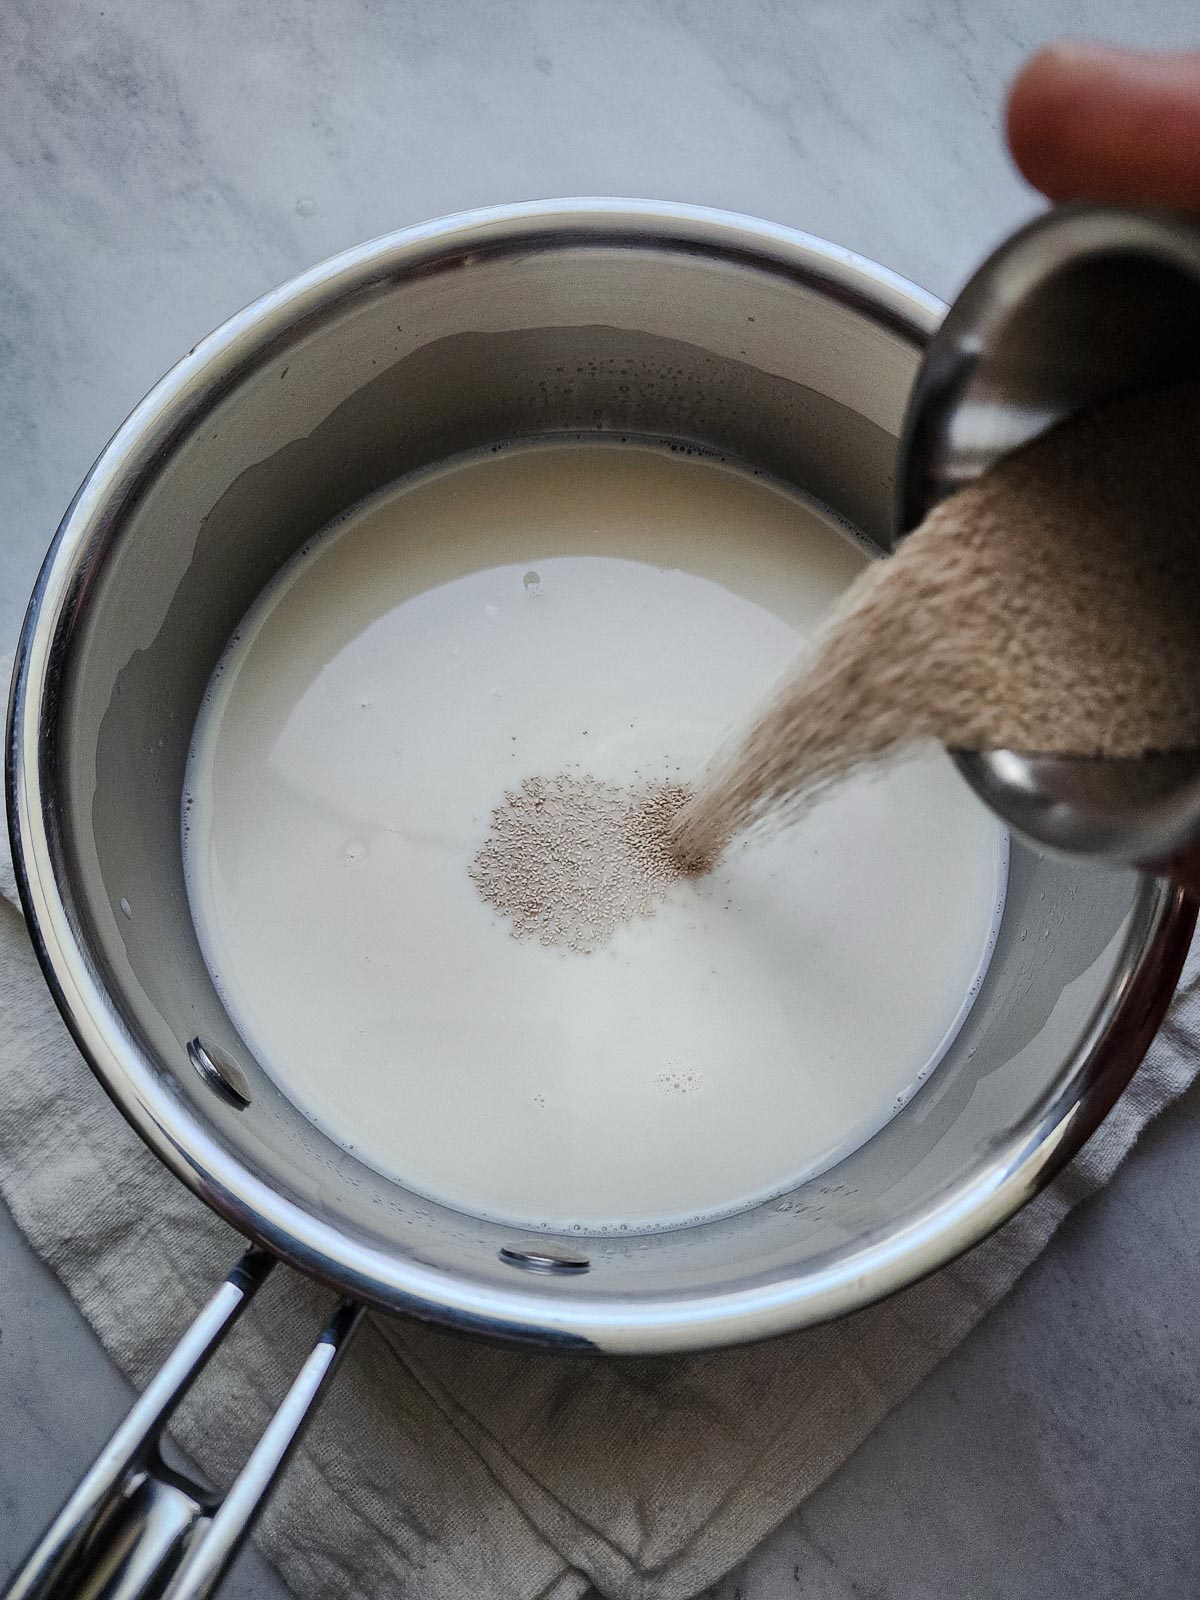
(1092, 122)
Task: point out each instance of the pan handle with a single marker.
(134, 1527)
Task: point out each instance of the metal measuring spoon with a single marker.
(1083, 305)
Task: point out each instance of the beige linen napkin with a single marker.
(445, 1469)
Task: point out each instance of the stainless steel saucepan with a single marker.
(624, 317)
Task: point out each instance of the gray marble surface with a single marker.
(161, 165)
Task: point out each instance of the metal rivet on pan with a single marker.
(544, 1258)
(220, 1072)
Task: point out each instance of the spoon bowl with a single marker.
(1084, 305)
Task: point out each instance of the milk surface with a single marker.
(611, 609)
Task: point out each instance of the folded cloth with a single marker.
(448, 1469)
